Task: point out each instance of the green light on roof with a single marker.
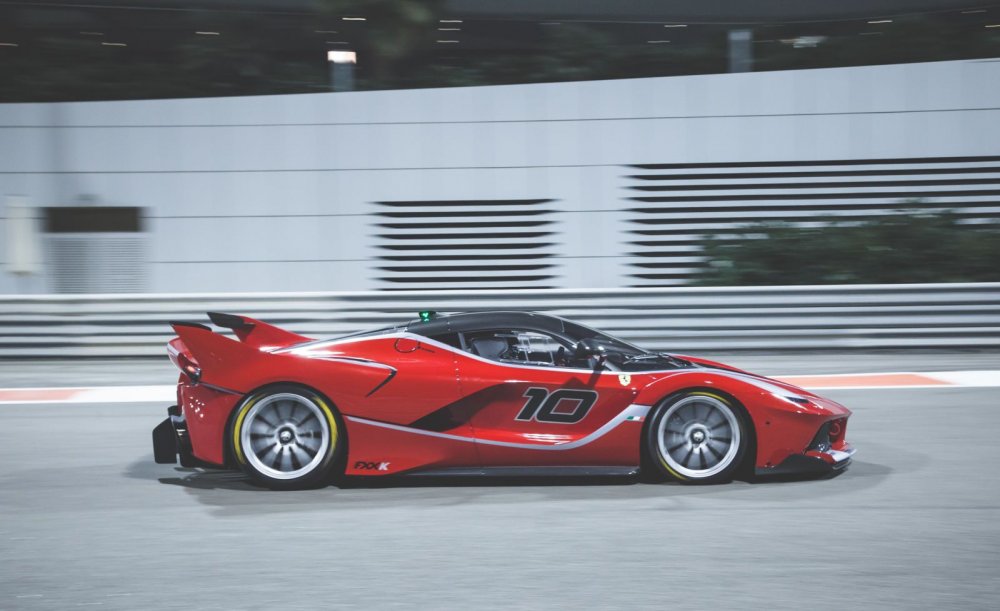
(426, 315)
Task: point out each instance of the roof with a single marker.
(470, 321)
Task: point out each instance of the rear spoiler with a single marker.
(218, 360)
(253, 333)
(210, 357)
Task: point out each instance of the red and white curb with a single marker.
(842, 381)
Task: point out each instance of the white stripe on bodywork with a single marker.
(632, 413)
(697, 368)
(306, 351)
(770, 387)
(354, 361)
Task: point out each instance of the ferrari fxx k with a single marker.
(480, 393)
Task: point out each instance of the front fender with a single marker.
(785, 418)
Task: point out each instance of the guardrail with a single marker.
(684, 319)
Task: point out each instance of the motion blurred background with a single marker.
(184, 147)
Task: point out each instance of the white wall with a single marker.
(275, 192)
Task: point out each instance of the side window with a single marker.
(538, 349)
(516, 346)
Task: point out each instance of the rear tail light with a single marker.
(190, 367)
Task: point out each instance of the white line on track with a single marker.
(837, 381)
(968, 378)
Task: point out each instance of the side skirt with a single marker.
(528, 471)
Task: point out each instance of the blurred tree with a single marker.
(906, 247)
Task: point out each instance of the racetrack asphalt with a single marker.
(87, 519)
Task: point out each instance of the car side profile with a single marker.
(481, 393)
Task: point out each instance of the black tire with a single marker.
(287, 437)
(697, 437)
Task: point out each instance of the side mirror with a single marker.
(590, 348)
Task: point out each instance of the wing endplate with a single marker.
(255, 333)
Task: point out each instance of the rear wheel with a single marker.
(698, 437)
(286, 437)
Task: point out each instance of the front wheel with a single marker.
(286, 437)
(698, 437)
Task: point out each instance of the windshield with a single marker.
(621, 355)
(577, 332)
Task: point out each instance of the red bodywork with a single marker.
(412, 404)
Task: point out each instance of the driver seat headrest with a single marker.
(489, 348)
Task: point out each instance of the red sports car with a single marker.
(481, 393)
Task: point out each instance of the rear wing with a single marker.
(203, 354)
(239, 366)
(206, 356)
(255, 333)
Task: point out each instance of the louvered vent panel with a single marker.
(97, 262)
(676, 206)
(466, 244)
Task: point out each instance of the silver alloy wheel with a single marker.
(698, 437)
(285, 436)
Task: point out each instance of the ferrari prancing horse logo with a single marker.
(624, 378)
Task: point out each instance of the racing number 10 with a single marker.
(541, 398)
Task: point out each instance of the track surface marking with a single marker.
(166, 393)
